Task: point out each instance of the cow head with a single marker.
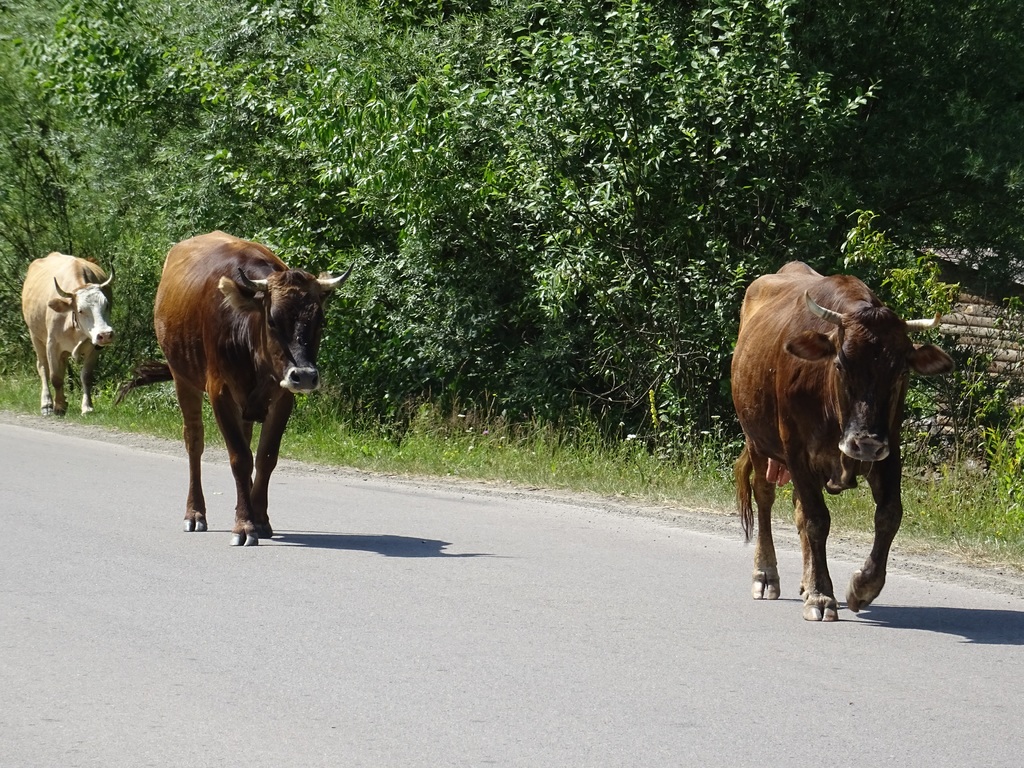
(872, 355)
(290, 306)
(89, 306)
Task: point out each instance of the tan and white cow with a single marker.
(66, 305)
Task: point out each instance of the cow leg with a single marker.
(263, 529)
(813, 523)
(232, 427)
(266, 459)
(87, 376)
(45, 400)
(190, 401)
(866, 583)
(58, 365)
(766, 585)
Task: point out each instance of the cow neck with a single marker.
(243, 342)
(266, 352)
(832, 401)
(71, 323)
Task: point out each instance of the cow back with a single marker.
(70, 272)
(810, 381)
(782, 401)
(198, 332)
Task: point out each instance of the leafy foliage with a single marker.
(1005, 453)
(937, 152)
(553, 208)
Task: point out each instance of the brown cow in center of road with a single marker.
(819, 378)
(236, 323)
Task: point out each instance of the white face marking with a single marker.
(93, 315)
(865, 449)
(300, 380)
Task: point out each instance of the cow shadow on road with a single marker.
(383, 544)
(980, 626)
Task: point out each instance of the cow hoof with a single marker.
(198, 526)
(765, 587)
(862, 591)
(46, 410)
(823, 609)
(244, 540)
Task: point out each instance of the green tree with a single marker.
(552, 206)
(937, 154)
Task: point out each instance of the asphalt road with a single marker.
(393, 623)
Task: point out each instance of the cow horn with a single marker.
(330, 283)
(827, 315)
(60, 291)
(925, 324)
(252, 285)
(106, 282)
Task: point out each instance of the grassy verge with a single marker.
(955, 509)
(436, 445)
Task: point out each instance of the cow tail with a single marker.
(151, 372)
(742, 471)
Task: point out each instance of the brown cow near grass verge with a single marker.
(236, 323)
(66, 305)
(819, 378)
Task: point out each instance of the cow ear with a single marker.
(811, 346)
(929, 360)
(239, 296)
(60, 305)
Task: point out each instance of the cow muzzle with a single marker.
(102, 337)
(864, 447)
(300, 379)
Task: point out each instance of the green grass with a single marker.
(434, 445)
(462, 445)
(153, 412)
(958, 510)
